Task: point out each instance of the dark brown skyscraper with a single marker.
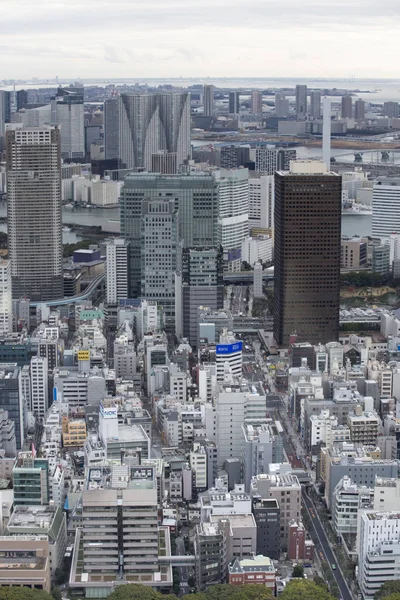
(307, 253)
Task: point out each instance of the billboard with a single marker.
(228, 348)
(84, 355)
(108, 412)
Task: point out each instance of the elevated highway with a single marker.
(89, 291)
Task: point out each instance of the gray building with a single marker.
(359, 109)
(347, 107)
(381, 259)
(159, 253)
(269, 160)
(315, 107)
(208, 100)
(266, 513)
(111, 127)
(200, 283)
(34, 212)
(301, 102)
(67, 110)
(234, 102)
(196, 196)
(262, 445)
(11, 399)
(234, 156)
(152, 122)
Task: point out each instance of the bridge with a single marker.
(247, 276)
(178, 561)
(87, 293)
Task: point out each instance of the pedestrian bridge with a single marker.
(178, 561)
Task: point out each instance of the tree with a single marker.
(298, 571)
(236, 592)
(388, 589)
(22, 593)
(321, 582)
(135, 591)
(303, 589)
(56, 593)
(395, 596)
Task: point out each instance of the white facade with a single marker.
(261, 201)
(348, 499)
(104, 192)
(39, 387)
(117, 270)
(387, 494)
(198, 464)
(256, 249)
(258, 281)
(378, 548)
(393, 241)
(386, 207)
(5, 297)
(319, 427)
(229, 356)
(70, 118)
(233, 215)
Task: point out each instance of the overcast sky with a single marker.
(199, 38)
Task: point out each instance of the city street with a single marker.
(183, 571)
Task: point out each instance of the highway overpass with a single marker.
(87, 293)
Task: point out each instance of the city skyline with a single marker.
(156, 40)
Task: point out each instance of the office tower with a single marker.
(256, 102)
(111, 127)
(378, 550)
(359, 109)
(49, 348)
(34, 212)
(326, 133)
(152, 122)
(233, 213)
(234, 156)
(238, 402)
(39, 387)
(234, 103)
(11, 398)
(386, 206)
(159, 253)
(315, 107)
(266, 513)
(5, 114)
(208, 100)
(31, 480)
(381, 259)
(67, 111)
(200, 284)
(22, 99)
(307, 253)
(281, 106)
(269, 160)
(6, 313)
(347, 107)
(391, 110)
(197, 200)
(164, 162)
(128, 495)
(301, 102)
(117, 270)
(261, 200)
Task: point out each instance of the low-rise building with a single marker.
(73, 432)
(348, 499)
(258, 569)
(300, 548)
(25, 562)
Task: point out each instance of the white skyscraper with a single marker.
(117, 256)
(261, 200)
(39, 386)
(386, 207)
(5, 297)
(326, 133)
(233, 217)
(67, 110)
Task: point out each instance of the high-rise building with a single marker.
(269, 160)
(234, 156)
(381, 259)
(233, 217)
(234, 103)
(386, 206)
(22, 99)
(164, 162)
(199, 284)
(160, 253)
(111, 127)
(315, 107)
(34, 212)
(301, 102)
(31, 480)
(256, 102)
(11, 398)
(208, 100)
(152, 122)
(5, 113)
(281, 106)
(117, 270)
(347, 107)
(261, 200)
(67, 110)
(39, 386)
(6, 313)
(391, 110)
(307, 253)
(197, 201)
(359, 109)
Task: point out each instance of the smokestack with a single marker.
(326, 132)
